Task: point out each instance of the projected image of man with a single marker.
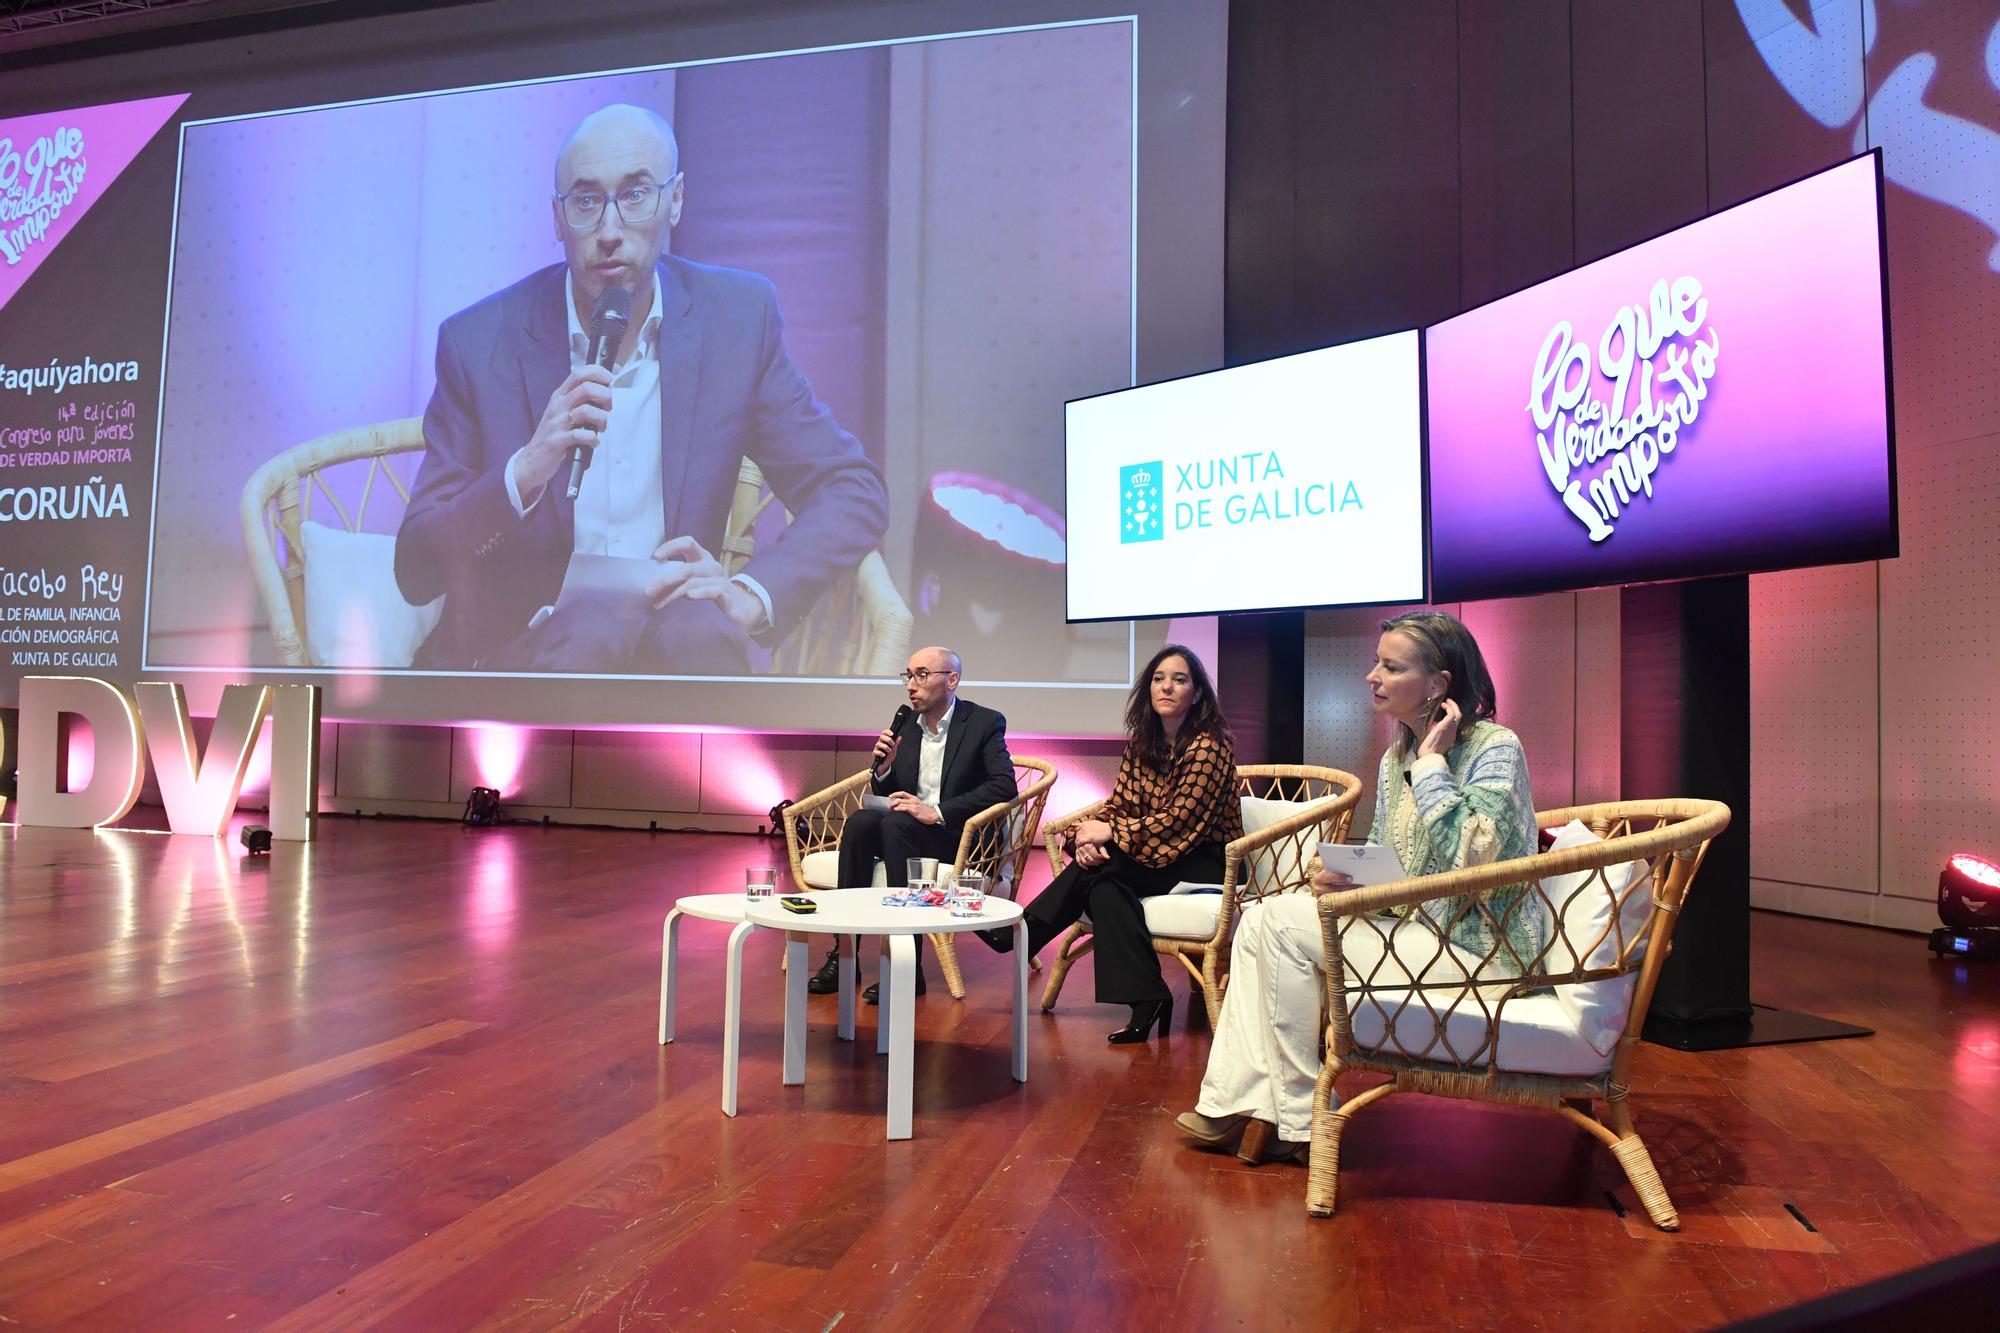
(699, 380)
(946, 763)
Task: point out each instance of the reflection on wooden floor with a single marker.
(407, 1075)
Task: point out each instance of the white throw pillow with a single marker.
(1276, 865)
(355, 614)
(1599, 1008)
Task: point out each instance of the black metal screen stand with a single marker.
(1764, 1027)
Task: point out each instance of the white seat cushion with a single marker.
(1451, 1023)
(1537, 1035)
(1182, 916)
(1587, 905)
(822, 871)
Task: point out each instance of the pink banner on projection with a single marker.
(54, 166)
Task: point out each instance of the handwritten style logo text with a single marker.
(36, 185)
(1665, 345)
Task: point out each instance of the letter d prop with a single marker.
(119, 766)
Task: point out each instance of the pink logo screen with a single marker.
(54, 166)
(1712, 401)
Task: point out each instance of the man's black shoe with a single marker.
(873, 995)
(826, 981)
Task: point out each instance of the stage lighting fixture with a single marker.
(777, 817)
(256, 839)
(1969, 906)
(482, 807)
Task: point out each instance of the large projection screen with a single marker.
(1292, 482)
(1713, 401)
(902, 238)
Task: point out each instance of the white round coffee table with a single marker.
(846, 913)
(728, 908)
(723, 907)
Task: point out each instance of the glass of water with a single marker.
(922, 873)
(760, 882)
(969, 895)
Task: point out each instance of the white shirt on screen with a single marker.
(621, 506)
(930, 759)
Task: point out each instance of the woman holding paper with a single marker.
(1452, 792)
(1171, 812)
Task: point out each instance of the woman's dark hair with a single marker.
(1446, 645)
(1142, 725)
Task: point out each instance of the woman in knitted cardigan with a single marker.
(1452, 792)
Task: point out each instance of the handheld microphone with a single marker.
(903, 715)
(607, 331)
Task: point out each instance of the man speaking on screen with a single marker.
(652, 437)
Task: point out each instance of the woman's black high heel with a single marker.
(1141, 1026)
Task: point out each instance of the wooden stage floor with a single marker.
(407, 1077)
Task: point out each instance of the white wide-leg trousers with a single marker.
(1266, 1054)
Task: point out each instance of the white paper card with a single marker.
(617, 579)
(1364, 864)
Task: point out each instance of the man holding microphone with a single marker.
(941, 762)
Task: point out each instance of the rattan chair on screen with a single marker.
(996, 842)
(1561, 1035)
(859, 627)
(1288, 810)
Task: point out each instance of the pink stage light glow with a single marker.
(257, 777)
(741, 775)
(1976, 1059)
(492, 908)
(497, 751)
(82, 760)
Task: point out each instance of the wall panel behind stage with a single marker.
(1631, 119)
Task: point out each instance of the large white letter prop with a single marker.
(295, 762)
(199, 791)
(117, 770)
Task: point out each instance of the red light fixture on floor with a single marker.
(1969, 906)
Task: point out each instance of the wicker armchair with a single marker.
(1533, 1039)
(859, 627)
(1273, 856)
(279, 497)
(996, 842)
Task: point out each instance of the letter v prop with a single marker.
(200, 791)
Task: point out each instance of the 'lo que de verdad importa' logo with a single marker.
(1226, 491)
(1659, 358)
(36, 185)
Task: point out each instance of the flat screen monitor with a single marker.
(1712, 401)
(1292, 482)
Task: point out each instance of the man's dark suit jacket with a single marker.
(978, 771)
(727, 389)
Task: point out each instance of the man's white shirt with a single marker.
(621, 505)
(930, 758)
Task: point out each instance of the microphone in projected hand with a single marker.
(887, 740)
(607, 331)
